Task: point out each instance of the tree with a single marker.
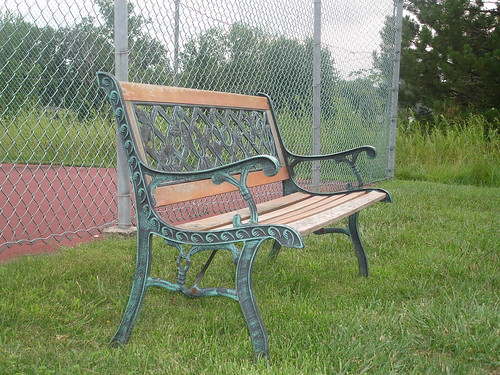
(383, 60)
(47, 66)
(148, 58)
(18, 74)
(203, 60)
(451, 54)
(246, 60)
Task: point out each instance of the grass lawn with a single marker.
(430, 306)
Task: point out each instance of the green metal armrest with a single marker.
(349, 157)
(270, 166)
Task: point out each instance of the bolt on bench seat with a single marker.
(188, 151)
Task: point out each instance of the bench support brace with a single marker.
(352, 231)
(244, 292)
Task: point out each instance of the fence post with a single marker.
(395, 89)
(176, 43)
(316, 118)
(121, 73)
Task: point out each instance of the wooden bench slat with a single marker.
(303, 206)
(325, 218)
(183, 192)
(312, 209)
(139, 92)
(270, 217)
(226, 219)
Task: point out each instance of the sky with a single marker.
(350, 28)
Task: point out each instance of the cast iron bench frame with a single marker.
(171, 180)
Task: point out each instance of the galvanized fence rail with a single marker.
(330, 66)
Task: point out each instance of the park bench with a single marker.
(210, 172)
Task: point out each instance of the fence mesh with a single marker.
(57, 139)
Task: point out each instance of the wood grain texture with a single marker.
(139, 92)
(227, 218)
(187, 191)
(310, 207)
(302, 212)
(323, 219)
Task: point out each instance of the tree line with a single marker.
(450, 57)
(55, 67)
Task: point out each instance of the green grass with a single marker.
(430, 305)
(457, 150)
(450, 150)
(59, 138)
(46, 137)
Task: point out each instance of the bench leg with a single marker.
(358, 244)
(275, 250)
(138, 291)
(247, 302)
(353, 232)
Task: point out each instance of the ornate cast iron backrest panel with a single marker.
(192, 138)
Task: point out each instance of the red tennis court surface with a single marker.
(40, 201)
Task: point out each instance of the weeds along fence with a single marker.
(330, 66)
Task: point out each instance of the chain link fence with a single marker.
(330, 67)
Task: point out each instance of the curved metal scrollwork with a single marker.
(182, 139)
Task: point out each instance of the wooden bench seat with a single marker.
(301, 211)
(210, 172)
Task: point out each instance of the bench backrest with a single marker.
(182, 130)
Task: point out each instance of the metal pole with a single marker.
(316, 125)
(176, 43)
(121, 73)
(395, 89)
